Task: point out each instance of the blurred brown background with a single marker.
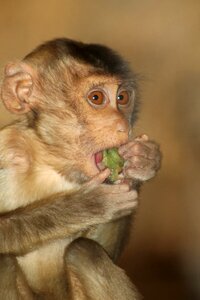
(161, 39)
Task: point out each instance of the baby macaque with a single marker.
(62, 222)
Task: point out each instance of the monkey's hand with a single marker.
(107, 201)
(142, 158)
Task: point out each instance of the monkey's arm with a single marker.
(63, 215)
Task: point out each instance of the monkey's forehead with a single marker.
(97, 56)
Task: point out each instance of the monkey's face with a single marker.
(96, 115)
(77, 111)
(104, 106)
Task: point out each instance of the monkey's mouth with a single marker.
(110, 158)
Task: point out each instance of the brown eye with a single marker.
(96, 97)
(123, 98)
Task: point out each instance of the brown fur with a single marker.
(51, 190)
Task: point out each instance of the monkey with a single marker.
(62, 226)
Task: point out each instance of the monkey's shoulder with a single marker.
(25, 176)
(15, 148)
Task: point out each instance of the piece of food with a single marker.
(113, 161)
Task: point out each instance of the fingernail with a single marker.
(106, 171)
(145, 137)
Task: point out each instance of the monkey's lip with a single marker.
(98, 157)
(99, 160)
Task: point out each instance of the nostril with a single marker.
(121, 130)
(122, 127)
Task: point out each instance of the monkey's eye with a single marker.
(123, 98)
(96, 97)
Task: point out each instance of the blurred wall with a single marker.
(161, 41)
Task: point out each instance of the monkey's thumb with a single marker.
(98, 179)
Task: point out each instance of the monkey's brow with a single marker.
(101, 84)
(127, 85)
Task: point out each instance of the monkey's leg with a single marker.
(12, 283)
(92, 275)
(8, 289)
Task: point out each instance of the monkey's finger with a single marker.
(97, 179)
(133, 146)
(116, 189)
(152, 146)
(139, 162)
(125, 147)
(137, 149)
(131, 195)
(139, 145)
(139, 173)
(125, 208)
(124, 197)
(142, 138)
(147, 149)
(124, 213)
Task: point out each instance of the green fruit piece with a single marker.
(113, 161)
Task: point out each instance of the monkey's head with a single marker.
(79, 98)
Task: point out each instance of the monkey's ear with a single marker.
(17, 88)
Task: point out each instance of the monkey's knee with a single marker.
(92, 273)
(85, 251)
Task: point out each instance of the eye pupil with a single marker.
(95, 97)
(120, 97)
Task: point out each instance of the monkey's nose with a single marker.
(122, 126)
